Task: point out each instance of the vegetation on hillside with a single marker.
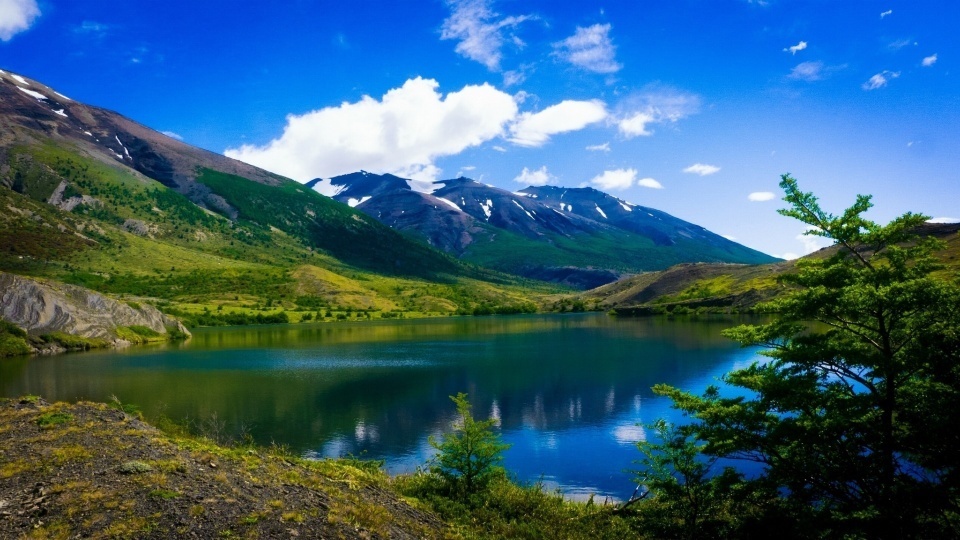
(290, 254)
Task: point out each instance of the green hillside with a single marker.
(74, 217)
(725, 288)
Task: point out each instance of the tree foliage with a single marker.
(470, 456)
(690, 501)
(854, 416)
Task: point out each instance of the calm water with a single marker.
(569, 390)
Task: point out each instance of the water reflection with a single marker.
(566, 390)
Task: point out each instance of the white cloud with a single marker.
(794, 49)
(702, 169)
(812, 242)
(655, 105)
(513, 77)
(605, 147)
(809, 242)
(539, 177)
(880, 80)
(172, 135)
(402, 133)
(535, 129)
(885, 13)
(618, 179)
(649, 183)
(943, 220)
(760, 196)
(901, 43)
(16, 16)
(93, 28)
(929, 60)
(789, 256)
(589, 48)
(480, 31)
(807, 71)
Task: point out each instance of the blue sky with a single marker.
(694, 107)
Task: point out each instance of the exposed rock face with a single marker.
(41, 307)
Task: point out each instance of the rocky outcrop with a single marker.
(42, 307)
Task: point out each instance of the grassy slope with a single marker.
(285, 251)
(713, 287)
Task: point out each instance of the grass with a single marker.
(13, 340)
(73, 342)
(52, 419)
(140, 334)
(510, 510)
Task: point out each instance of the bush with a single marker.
(69, 341)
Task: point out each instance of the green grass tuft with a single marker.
(52, 419)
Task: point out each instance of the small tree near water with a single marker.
(470, 456)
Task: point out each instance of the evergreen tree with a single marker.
(469, 457)
(854, 416)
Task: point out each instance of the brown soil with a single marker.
(87, 470)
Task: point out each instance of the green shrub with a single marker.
(469, 457)
(69, 341)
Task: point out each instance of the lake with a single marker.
(568, 390)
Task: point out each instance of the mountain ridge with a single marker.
(563, 231)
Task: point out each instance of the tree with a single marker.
(854, 416)
(689, 501)
(470, 456)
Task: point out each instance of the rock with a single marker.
(42, 307)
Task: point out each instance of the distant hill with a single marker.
(724, 287)
(92, 198)
(582, 237)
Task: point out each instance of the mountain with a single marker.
(581, 237)
(31, 112)
(94, 199)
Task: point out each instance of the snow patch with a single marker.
(422, 186)
(487, 208)
(451, 204)
(61, 113)
(522, 194)
(326, 187)
(626, 206)
(529, 215)
(601, 212)
(61, 95)
(19, 79)
(118, 155)
(357, 202)
(122, 146)
(88, 133)
(31, 93)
